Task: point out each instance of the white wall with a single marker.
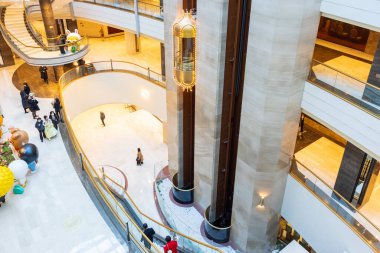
(319, 226)
(350, 122)
(365, 13)
(123, 20)
(114, 87)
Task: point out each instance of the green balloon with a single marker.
(18, 189)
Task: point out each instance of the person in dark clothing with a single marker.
(26, 88)
(41, 129)
(171, 245)
(33, 106)
(61, 43)
(24, 100)
(44, 74)
(102, 118)
(149, 232)
(2, 200)
(140, 157)
(57, 108)
(54, 119)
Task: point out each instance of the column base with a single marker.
(215, 233)
(182, 196)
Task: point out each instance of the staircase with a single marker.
(14, 27)
(15, 24)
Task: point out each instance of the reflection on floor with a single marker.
(117, 143)
(115, 48)
(344, 50)
(323, 158)
(55, 214)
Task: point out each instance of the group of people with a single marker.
(170, 246)
(48, 126)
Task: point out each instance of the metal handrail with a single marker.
(343, 73)
(160, 8)
(160, 224)
(77, 146)
(335, 192)
(312, 81)
(30, 24)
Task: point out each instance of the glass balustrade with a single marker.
(360, 224)
(353, 90)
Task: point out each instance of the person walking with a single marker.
(41, 128)
(24, 100)
(26, 88)
(148, 232)
(102, 118)
(140, 157)
(33, 105)
(57, 108)
(170, 246)
(44, 74)
(54, 119)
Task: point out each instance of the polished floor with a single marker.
(117, 143)
(55, 214)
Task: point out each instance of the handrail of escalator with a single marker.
(157, 222)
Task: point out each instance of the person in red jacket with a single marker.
(171, 246)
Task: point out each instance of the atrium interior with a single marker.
(191, 126)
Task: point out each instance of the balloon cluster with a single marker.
(18, 169)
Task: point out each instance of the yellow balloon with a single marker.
(6, 180)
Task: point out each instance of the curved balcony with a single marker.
(123, 209)
(22, 39)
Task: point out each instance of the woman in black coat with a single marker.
(33, 106)
(26, 88)
(54, 118)
(57, 108)
(24, 100)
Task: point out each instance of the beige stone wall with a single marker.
(211, 42)
(172, 10)
(280, 45)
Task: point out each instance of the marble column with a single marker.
(173, 9)
(132, 43)
(49, 21)
(280, 45)
(211, 42)
(6, 53)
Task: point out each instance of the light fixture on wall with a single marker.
(261, 203)
(184, 35)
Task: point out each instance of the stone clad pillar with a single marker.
(173, 8)
(280, 45)
(49, 21)
(131, 42)
(211, 36)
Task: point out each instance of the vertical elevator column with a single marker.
(281, 41)
(184, 179)
(218, 215)
(49, 22)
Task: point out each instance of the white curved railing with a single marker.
(47, 55)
